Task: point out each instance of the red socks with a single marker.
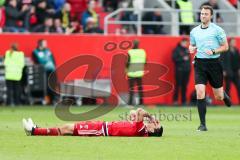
(46, 132)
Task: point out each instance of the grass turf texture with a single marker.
(180, 141)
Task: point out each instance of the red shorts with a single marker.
(89, 128)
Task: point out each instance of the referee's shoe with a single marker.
(227, 100)
(202, 128)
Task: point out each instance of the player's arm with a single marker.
(141, 113)
(221, 37)
(192, 47)
(223, 48)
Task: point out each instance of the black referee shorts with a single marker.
(208, 70)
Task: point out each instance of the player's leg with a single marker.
(131, 91)
(236, 82)
(178, 80)
(31, 129)
(215, 77)
(9, 85)
(54, 131)
(219, 94)
(200, 76)
(66, 129)
(185, 80)
(228, 84)
(140, 90)
(17, 92)
(201, 105)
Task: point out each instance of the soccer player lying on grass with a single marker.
(136, 126)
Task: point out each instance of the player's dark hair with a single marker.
(157, 132)
(184, 39)
(208, 7)
(40, 41)
(14, 46)
(135, 44)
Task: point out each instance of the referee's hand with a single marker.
(209, 52)
(192, 49)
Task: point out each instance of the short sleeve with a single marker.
(141, 129)
(140, 126)
(221, 36)
(192, 39)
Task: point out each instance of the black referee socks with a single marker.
(202, 110)
(227, 100)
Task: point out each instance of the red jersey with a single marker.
(89, 128)
(118, 128)
(126, 128)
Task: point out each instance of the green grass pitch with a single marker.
(181, 141)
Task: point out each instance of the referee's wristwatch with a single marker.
(213, 51)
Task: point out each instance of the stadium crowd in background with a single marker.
(49, 16)
(110, 5)
(153, 17)
(82, 16)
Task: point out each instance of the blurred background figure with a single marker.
(77, 8)
(2, 15)
(231, 67)
(126, 16)
(43, 56)
(110, 5)
(57, 5)
(137, 5)
(14, 64)
(16, 18)
(46, 27)
(91, 26)
(29, 19)
(187, 18)
(64, 15)
(90, 12)
(153, 17)
(135, 71)
(74, 27)
(43, 11)
(181, 59)
(57, 26)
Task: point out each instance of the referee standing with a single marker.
(209, 41)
